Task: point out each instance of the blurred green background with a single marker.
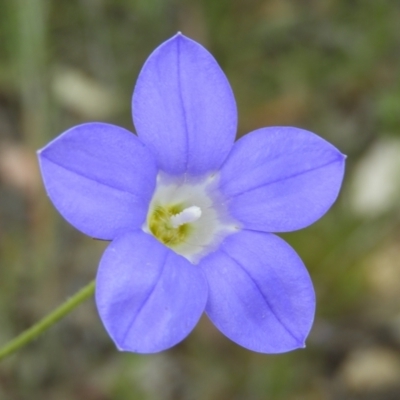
(329, 66)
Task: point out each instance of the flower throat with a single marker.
(171, 225)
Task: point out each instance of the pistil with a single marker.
(188, 215)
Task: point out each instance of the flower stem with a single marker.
(49, 320)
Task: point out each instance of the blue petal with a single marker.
(260, 294)
(281, 179)
(100, 178)
(148, 297)
(183, 108)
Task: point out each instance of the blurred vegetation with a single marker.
(330, 66)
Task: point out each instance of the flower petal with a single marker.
(281, 179)
(183, 108)
(148, 297)
(260, 294)
(100, 178)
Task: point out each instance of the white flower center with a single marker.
(189, 215)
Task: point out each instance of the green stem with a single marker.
(46, 322)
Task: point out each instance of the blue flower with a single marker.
(189, 212)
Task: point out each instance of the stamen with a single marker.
(190, 214)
